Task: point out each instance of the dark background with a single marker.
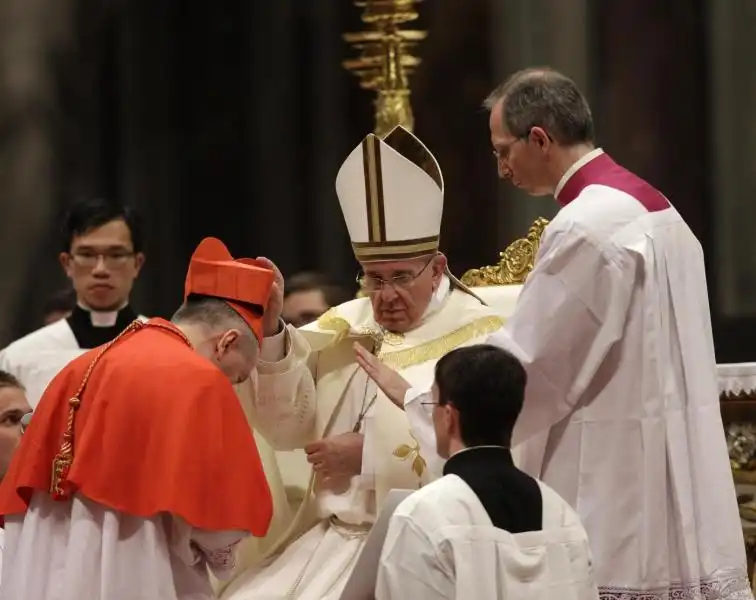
(231, 119)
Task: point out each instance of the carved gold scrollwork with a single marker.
(515, 264)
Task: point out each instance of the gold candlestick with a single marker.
(385, 63)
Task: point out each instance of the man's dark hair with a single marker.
(8, 380)
(307, 281)
(544, 98)
(60, 301)
(487, 386)
(86, 215)
(213, 312)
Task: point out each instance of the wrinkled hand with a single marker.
(275, 302)
(393, 385)
(337, 457)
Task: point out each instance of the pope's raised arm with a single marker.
(284, 404)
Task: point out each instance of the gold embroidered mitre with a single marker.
(391, 192)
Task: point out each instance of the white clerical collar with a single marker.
(102, 318)
(576, 166)
(438, 298)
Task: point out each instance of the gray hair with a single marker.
(213, 313)
(543, 98)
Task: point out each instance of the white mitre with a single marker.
(392, 195)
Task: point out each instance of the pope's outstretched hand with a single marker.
(392, 384)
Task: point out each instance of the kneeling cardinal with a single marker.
(138, 473)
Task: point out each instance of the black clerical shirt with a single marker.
(89, 336)
(511, 498)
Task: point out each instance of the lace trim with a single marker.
(733, 587)
(224, 558)
(736, 379)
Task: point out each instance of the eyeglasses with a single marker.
(113, 259)
(429, 406)
(25, 420)
(373, 285)
(503, 152)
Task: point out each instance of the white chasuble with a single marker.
(317, 390)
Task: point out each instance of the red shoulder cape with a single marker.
(159, 429)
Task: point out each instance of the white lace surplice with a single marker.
(80, 550)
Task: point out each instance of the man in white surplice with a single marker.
(312, 395)
(485, 529)
(621, 416)
(102, 254)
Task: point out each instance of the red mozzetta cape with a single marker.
(158, 429)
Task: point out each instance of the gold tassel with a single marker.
(63, 460)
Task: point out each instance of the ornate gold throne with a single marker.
(499, 285)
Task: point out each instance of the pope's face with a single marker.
(521, 160)
(400, 291)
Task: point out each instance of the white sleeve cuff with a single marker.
(414, 395)
(274, 347)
